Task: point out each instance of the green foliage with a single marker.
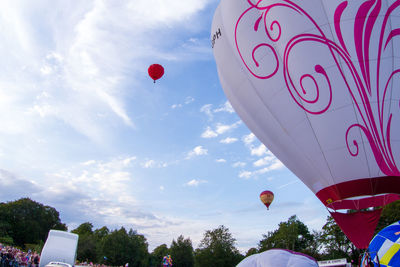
(140, 249)
(182, 252)
(121, 247)
(112, 248)
(217, 249)
(6, 240)
(83, 229)
(336, 243)
(35, 247)
(101, 233)
(158, 254)
(251, 252)
(314, 246)
(27, 221)
(390, 214)
(87, 243)
(293, 235)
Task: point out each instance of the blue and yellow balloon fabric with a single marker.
(385, 246)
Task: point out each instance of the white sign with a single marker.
(332, 262)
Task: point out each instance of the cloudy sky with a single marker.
(85, 130)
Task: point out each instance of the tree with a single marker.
(139, 249)
(116, 248)
(181, 252)
(120, 247)
(268, 242)
(314, 246)
(87, 243)
(217, 249)
(390, 214)
(101, 233)
(84, 229)
(336, 243)
(293, 235)
(157, 255)
(27, 221)
(251, 251)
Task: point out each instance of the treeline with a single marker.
(25, 223)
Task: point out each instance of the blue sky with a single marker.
(85, 130)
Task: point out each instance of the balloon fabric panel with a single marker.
(385, 246)
(316, 82)
(278, 258)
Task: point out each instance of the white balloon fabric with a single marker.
(317, 81)
(278, 258)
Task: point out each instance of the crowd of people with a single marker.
(14, 257)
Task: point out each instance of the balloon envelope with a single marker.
(385, 246)
(318, 83)
(267, 197)
(278, 258)
(156, 71)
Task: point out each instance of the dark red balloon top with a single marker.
(156, 71)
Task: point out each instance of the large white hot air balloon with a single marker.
(278, 258)
(318, 82)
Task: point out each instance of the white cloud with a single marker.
(163, 11)
(195, 182)
(187, 101)
(77, 59)
(276, 165)
(174, 106)
(249, 139)
(162, 188)
(270, 158)
(207, 110)
(228, 140)
(209, 133)
(259, 150)
(239, 164)
(127, 161)
(245, 174)
(222, 128)
(95, 190)
(197, 151)
(220, 160)
(89, 162)
(219, 129)
(149, 164)
(273, 164)
(227, 107)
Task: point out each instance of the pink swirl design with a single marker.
(375, 125)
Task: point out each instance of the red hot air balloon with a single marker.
(267, 197)
(156, 71)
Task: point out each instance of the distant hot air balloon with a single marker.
(156, 71)
(318, 82)
(267, 197)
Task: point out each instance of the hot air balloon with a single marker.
(267, 197)
(384, 248)
(278, 258)
(156, 71)
(318, 83)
